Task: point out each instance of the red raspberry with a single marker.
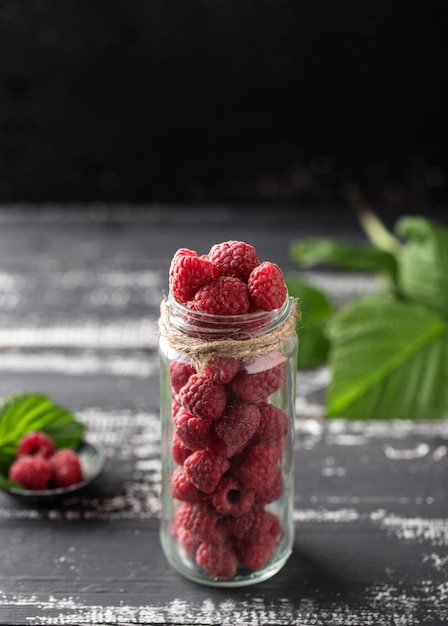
(237, 426)
(254, 525)
(221, 369)
(187, 273)
(273, 424)
(203, 397)
(231, 497)
(267, 286)
(36, 442)
(257, 465)
(66, 467)
(217, 559)
(255, 555)
(188, 541)
(272, 490)
(180, 372)
(234, 258)
(193, 431)
(182, 488)
(225, 295)
(32, 472)
(205, 469)
(202, 520)
(179, 450)
(253, 386)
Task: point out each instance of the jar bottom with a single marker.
(184, 565)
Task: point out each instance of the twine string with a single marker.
(200, 351)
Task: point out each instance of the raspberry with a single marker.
(182, 488)
(202, 520)
(225, 295)
(221, 369)
(193, 431)
(179, 450)
(36, 442)
(254, 386)
(237, 426)
(180, 372)
(188, 541)
(272, 490)
(32, 472)
(217, 559)
(257, 465)
(203, 397)
(205, 469)
(234, 258)
(231, 497)
(253, 525)
(66, 467)
(256, 555)
(187, 273)
(273, 424)
(267, 286)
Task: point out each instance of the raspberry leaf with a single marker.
(344, 254)
(389, 360)
(32, 411)
(423, 263)
(316, 310)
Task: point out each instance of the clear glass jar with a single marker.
(227, 417)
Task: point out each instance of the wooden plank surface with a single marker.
(79, 294)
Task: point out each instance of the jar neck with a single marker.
(211, 327)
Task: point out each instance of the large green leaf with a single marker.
(316, 309)
(423, 263)
(389, 360)
(343, 254)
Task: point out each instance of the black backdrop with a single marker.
(223, 100)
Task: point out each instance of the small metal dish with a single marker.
(92, 458)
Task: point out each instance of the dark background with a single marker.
(276, 101)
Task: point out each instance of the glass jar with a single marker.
(227, 444)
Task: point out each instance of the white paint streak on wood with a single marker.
(138, 334)
(85, 363)
(384, 605)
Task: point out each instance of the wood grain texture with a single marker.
(371, 513)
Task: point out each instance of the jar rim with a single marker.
(209, 324)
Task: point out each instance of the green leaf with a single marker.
(316, 310)
(33, 411)
(389, 359)
(343, 254)
(423, 263)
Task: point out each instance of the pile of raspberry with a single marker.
(39, 465)
(228, 437)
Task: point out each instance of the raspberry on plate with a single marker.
(66, 468)
(267, 286)
(32, 472)
(234, 258)
(225, 295)
(188, 272)
(36, 442)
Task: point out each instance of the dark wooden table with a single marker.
(79, 295)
